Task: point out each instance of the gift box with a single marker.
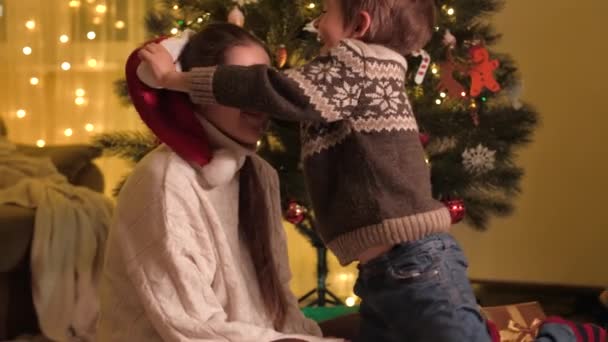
(517, 322)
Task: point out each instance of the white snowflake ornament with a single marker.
(479, 159)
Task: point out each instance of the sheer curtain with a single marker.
(58, 62)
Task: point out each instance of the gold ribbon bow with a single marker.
(516, 332)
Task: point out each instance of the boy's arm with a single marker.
(256, 88)
(325, 89)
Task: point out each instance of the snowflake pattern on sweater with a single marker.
(363, 99)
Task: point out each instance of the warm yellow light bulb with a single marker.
(451, 11)
(443, 95)
(66, 66)
(34, 81)
(64, 38)
(438, 101)
(463, 94)
(40, 143)
(101, 8)
(175, 7)
(68, 132)
(80, 92)
(74, 3)
(91, 35)
(89, 127)
(92, 62)
(30, 24)
(79, 101)
(174, 30)
(350, 301)
(312, 5)
(27, 50)
(21, 113)
(434, 70)
(119, 24)
(199, 20)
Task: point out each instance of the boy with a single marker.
(363, 162)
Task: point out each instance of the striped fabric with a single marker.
(584, 332)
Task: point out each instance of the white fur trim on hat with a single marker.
(222, 168)
(175, 45)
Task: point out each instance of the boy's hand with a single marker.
(160, 63)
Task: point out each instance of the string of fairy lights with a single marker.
(33, 27)
(100, 10)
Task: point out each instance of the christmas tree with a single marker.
(465, 97)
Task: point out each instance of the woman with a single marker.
(197, 257)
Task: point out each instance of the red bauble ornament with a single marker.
(457, 209)
(424, 139)
(295, 212)
(281, 56)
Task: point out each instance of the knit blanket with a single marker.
(71, 227)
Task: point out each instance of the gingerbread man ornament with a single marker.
(482, 71)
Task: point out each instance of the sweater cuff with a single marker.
(201, 85)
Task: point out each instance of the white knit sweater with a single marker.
(175, 268)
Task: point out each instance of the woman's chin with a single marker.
(252, 133)
(249, 139)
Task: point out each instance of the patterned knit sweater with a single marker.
(363, 160)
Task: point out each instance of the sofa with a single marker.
(17, 314)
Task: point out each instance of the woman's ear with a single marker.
(364, 22)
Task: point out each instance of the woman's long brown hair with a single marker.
(207, 48)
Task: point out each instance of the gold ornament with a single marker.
(281, 56)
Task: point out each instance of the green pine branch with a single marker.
(129, 145)
(121, 90)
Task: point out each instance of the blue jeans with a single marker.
(419, 292)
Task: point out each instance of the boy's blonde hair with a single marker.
(402, 25)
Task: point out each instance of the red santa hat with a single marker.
(172, 118)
